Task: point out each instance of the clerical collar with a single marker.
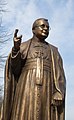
(38, 40)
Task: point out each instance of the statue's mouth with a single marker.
(45, 32)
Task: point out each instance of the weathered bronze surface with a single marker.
(34, 78)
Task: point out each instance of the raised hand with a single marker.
(17, 40)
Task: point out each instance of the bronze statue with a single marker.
(34, 78)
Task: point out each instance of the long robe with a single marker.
(32, 77)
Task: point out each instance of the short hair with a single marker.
(36, 22)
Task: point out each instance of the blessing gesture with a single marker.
(17, 40)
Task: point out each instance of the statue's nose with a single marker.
(45, 27)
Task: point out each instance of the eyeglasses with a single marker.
(43, 26)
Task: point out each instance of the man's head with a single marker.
(41, 28)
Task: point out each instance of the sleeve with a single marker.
(16, 62)
(61, 75)
(58, 73)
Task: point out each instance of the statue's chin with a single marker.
(44, 36)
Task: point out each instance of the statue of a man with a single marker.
(34, 78)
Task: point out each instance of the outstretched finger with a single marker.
(16, 31)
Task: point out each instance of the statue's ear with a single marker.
(33, 30)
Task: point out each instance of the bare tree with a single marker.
(2, 33)
(4, 37)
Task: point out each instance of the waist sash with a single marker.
(40, 65)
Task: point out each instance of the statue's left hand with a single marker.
(57, 99)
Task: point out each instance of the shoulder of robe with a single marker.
(55, 52)
(54, 48)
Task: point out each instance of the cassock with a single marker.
(32, 77)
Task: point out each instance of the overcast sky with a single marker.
(60, 13)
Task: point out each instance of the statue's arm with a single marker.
(59, 96)
(61, 78)
(16, 55)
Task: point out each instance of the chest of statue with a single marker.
(39, 50)
(39, 56)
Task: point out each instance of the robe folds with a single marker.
(32, 77)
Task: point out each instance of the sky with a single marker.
(60, 13)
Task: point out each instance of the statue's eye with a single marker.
(43, 26)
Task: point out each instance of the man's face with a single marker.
(41, 29)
